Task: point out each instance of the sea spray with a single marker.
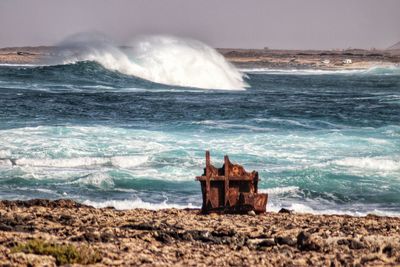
(185, 62)
(160, 59)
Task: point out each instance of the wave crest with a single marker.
(160, 59)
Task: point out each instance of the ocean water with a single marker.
(322, 141)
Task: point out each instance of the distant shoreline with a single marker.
(349, 59)
(186, 237)
(312, 59)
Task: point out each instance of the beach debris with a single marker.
(230, 189)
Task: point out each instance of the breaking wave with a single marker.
(137, 204)
(370, 163)
(280, 190)
(160, 59)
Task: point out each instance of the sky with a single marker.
(279, 24)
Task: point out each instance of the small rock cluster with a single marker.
(187, 237)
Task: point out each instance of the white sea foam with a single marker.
(65, 163)
(117, 161)
(136, 204)
(128, 161)
(280, 190)
(97, 179)
(44, 190)
(359, 211)
(378, 141)
(5, 153)
(5, 162)
(161, 59)
(370, 163)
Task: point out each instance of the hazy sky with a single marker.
(220, 23)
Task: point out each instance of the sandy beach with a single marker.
(171, 237)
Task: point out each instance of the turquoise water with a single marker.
(323, 142)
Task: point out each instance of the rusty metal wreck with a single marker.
(230, 189)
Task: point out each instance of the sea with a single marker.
(128, 128)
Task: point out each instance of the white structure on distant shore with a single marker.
(347, 61)
(325, 61)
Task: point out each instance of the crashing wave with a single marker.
(160, 59)
(137, 204)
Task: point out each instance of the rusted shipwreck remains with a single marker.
(230, 189)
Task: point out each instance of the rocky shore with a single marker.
(48, 233)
